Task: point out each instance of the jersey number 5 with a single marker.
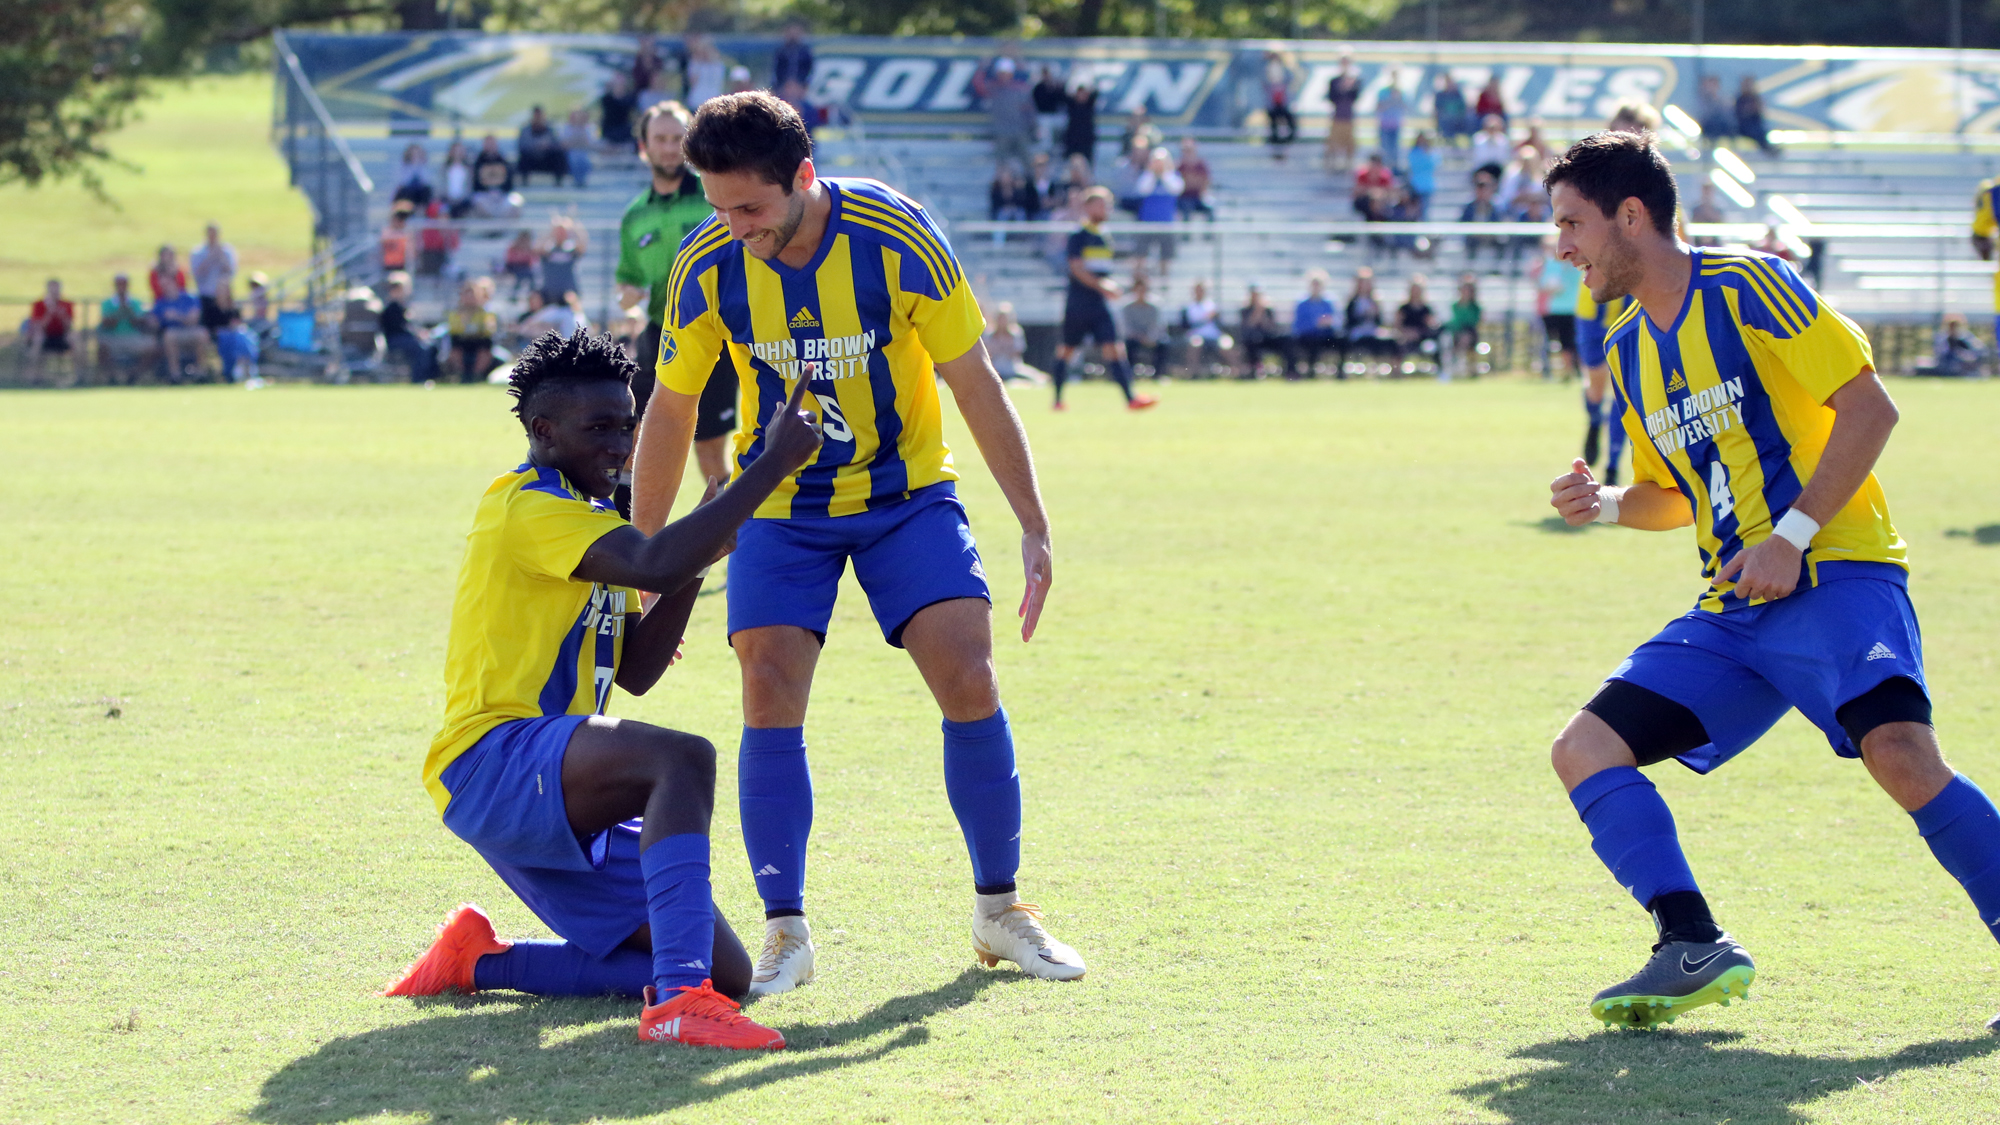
(1718, 491)
(832, 422)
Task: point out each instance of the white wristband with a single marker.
(1797, 528)
(703, 572)
(1607, 507)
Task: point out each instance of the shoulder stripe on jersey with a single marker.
(1775, 290)
(1623, 318)
(702, 246)
(908, 229)
(903, 245)
(1779, 312)
(1784, 290)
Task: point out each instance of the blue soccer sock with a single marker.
(1121, 371)
(1632, 831)
(1963, 829)
(1615, 446)
(1059, 375)
(680, 907)
(774, 798)
(1594, 411)
(985, 795)
(557, 968)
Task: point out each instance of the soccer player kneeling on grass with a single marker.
(1755, 414)
(600, 825)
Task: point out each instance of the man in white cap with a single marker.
(1011, 101)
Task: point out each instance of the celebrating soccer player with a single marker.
(847, 287)
(1755, 415)
(530, 771)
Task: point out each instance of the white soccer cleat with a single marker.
(787, 958)
(1006, 929)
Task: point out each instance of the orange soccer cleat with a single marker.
(464, 938)
(1142, 402)
(703, 1017)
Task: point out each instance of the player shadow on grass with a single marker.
(494, 1057)
(1985, 536)
(1555, 525)
(1677, 1075)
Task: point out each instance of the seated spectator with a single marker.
(1407, 207)
(1957, 352)
(1006, 344)
(257, 301)
(165, 267)
(1259, 332)
(576, 147)
(1010, 200)
(397, 335)
(539, 149)
(1716, 117)
(413, 177)
(50, 323)
(1422, 172)
(437, 240)
(396, 238)
(1041, 180)
(1159, 194)
(457, 181)
(1454, 118)
(739, 80)
(1145, 336)
(1078, 174)
(562, 315)
(1195, 182)
(124, 332)
(1535, 214)
(615, 108)
(493, 195)
(1416, 323)
(1750, 114)
(1201, 321)
(1492, 101)
(1139, 130)
(236, 347)
(1482, 209)
(1771, 242)
(560, 249)
(1535, 140)
(1491, 147)
(1316, 329)
(1362, 320)
(1373, 173)
(472, 328)
(178, 314)
(1634, 116)
(1706, 209)
(520, 262)
(1124, 182)
(658, 89)
(1522, 179)
(793, 93)
(1462, 330)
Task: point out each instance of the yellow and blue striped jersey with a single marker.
(527, 638)
(1728, 407)
(865, 320)
(1986, 220)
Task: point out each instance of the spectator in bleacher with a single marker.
(1259, 333)
(1492, 101)
(1080, 132)
(1078, 175)
(1389, 107)
(615, 107)
(576, 147)
(1140, 130)
(1372, 174)
(1522, 181)
(706, 71)
(1006, 345)
(472, 328)
(1533, 213)
(659, 89)
(1634, 117)
(1195, 182)
(1544, 152)
(1750, 114)
(1416, 323)
(1956, 352)
(1010, 106)
(1284, 126)
(178, 314)
(1049, 97)
(519, 263)
(1145, 336)
(1707, 210)
(646, 61)
(1454, 117)
(1201, 320)
(560, 249)
(540, 149)
(457, 181)
(561, 313)
(1773, 243)
(166, 266)
(793, 93)
(1342, 91)
(51, 320)
(739, 80)
(490, 169)
(395, 241)
(1361, 321)
(1408, 207)
(413, 176)
(1315, 328)
(1158, 198)
(1422, 172)
(257, 302)
(793, 60)
(397, 335)
(236, 347)
(1009, 199)
(213, 264)
(124, 332)
(1482, 209)
(1124, 178)
(1041, 180)
(1716, 117)
(1462, 330)
(1491, 147)
(437, 240)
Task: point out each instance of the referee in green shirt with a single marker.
(649, 236)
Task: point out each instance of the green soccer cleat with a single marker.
(1681, 975)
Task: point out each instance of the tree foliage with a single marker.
(69, 74)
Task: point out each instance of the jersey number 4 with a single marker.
(1718, 491)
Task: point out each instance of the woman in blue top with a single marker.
(1158, 191)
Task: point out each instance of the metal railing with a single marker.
(322, 164)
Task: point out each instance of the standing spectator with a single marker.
(1195, 182)
(1544, 152)
(1125, 178)
(1316, 329)
(124, 332)
(437, 239)
(1491, 103)
(560, 250)
(457, 181)
(413, 176)
(1389, 108)
(396, 333)
(1342, 91)
(519, 262)
(540, 149)
(1260, 332)
(576, 147)
(1416, 324)
(166, 267)
(50, 321)
(1491, 147)
(1462, 330)
(1006, 344)
(1423, 173)
(1482, 209)
(1140, 130)
(472, 328)
(740, 81)
(614, 112)
(1009, 199)
(1278, 103)
(793, 60)
(1145, 338)
(1454, 117)
(181, 336)
(1202, 320)
(705, 71)
(395, 241)
(1718, 117)
(1159, 196)
(1557, 284)
(1750, 114)
(646, 61)
(1011, 106)
(214, 266)
(1080, 133)
(1049, 97)
(237, 348)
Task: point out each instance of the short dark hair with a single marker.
(1609, 168)
(553, 363)
(657, 110)
(754, 131)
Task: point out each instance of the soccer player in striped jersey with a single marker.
(1985, 222)
(847, 286)
(1600, 398)
(1756, 416)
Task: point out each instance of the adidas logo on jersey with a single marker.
(804, 318)
(1880, 652)
(1677, 383)
(767, 869)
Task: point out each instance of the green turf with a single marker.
(1283, 738)
(196, 151)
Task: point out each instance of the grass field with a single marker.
(1283, 737)
(198, 150)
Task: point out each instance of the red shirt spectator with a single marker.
(167, 266)
(52, 317)
(1490, 101)
(1373, 174)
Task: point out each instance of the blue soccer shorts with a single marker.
(907, 555)
(507, 802)
(1590, 341)
(1088, 316)
(1739, 672)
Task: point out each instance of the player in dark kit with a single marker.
(1756, 416)
(1087, 307)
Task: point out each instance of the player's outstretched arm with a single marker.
(1580, 499)
(653, 638)
(660, 456)
(669, 559)
(989, 414)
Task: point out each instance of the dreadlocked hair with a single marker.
(554, 363)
